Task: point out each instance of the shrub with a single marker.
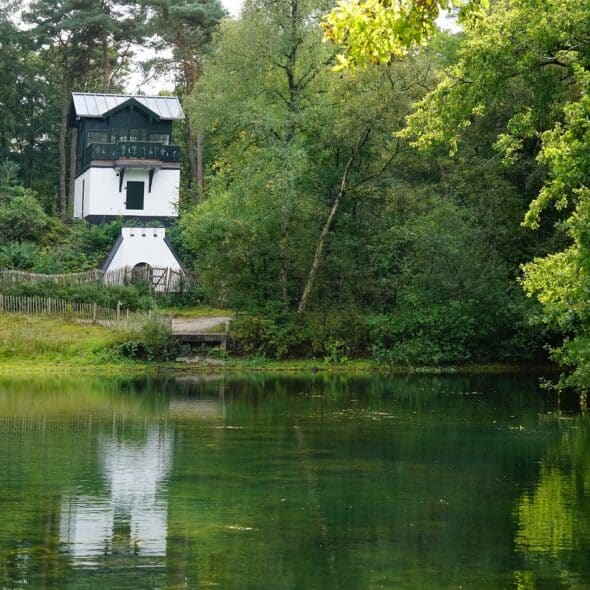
(19, 255)
(22, 219)
(151, 343)
(333, 336)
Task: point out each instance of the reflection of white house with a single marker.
(133, 514)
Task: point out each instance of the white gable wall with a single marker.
(143, 245)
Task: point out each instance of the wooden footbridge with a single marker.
(211, 330)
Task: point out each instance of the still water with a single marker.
(288, 482)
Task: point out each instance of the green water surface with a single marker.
(323, 482)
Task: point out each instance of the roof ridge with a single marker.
(125, 95)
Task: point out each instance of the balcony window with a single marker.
(162, 138)
(137, 134)
(97, 137)
(120, 135)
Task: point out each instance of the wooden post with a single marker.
(118, 310)
(1, 302)
(167, 287)
(49, 306)
(94, 312)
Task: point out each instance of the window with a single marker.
(135, 191)
(163, 138)
(97, 137)
(120, 134)
(137, 134)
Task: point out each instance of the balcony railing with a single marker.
(141, 150)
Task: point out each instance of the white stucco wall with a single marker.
(102, 196)
(144, 244)
(81, 188)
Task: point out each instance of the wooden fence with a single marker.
(17, 277)
(83, 312)
(161, 280)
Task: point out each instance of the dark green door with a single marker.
(134, 195)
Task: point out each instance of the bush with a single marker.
(424, 335)
(151, 343)
(19, 255)
(22, 219)
(189, 294)
(333, 336)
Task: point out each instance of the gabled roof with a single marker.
(167, 108)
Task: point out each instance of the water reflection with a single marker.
(285, 483)
(553, 518)
(132, 514)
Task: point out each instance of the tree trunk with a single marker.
(74, 141)
(328, 225)
(191, 151)
(63, 125)
(106, 66)
(199, 164)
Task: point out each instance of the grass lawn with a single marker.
(50, 342)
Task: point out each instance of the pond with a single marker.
(321, 482)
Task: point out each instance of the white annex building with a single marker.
(127, 167)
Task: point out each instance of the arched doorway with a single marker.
(142, 272)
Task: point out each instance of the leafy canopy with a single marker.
(375, 31)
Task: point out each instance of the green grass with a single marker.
(41, 345)
(53, 342)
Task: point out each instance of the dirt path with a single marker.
(199, 325)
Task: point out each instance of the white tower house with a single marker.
(127, 167)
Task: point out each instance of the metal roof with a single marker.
(96, 105)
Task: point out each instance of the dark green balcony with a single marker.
(130, 150)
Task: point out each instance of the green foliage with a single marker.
(22, 218)
(333, 336)
(375, 31)
(80, 247)
(19, 255)
(32, 240)
(525, 68)
(151, 343)
(132, 297)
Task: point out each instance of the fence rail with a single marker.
(84, 312)
(161, 280)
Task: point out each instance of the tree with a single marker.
(75, 40)
(375, 31)
(61, 31)
(118, 25)
(28, 117)
(526, 64)
(292, 149)
(187, 28)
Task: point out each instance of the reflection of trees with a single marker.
(553, 520)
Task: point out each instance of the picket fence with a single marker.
(83, 312)
(161, 280)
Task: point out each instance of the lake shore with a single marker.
(45, 366)
(41, 345)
